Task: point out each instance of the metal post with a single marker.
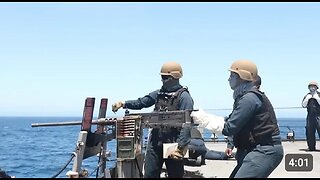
(100, 130)
(82, 139)
(76, 168)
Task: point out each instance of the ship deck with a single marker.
(223, 168)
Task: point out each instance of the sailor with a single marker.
(252, 124)
(311, 101)
(172, 96)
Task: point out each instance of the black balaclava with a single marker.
(168, 82)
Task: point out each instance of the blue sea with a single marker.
(41, 152)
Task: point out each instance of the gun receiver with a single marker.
(165, 119)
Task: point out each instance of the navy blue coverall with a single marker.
(154, 155)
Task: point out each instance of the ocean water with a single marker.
(41, 152)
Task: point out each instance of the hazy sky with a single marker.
(54, 55)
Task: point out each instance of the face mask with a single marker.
(233, 80)
(166, 81)
(165, 78)
(312, 89)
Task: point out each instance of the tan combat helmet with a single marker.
(171, 68)
(246, 69)
(313, 83)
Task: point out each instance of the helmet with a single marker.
(313, 83)
(246, 69)
(171, 68)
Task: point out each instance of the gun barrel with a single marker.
(170, 118)
(70, 123)
(56, 124)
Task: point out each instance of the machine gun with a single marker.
(127, 131)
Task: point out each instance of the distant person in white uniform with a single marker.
(311, 101)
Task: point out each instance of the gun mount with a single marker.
(90, 143)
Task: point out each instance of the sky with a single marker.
(55, 55)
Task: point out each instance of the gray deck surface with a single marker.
(223, 168)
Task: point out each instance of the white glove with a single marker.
(209, 121)
(305, 100)
(315, 95)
